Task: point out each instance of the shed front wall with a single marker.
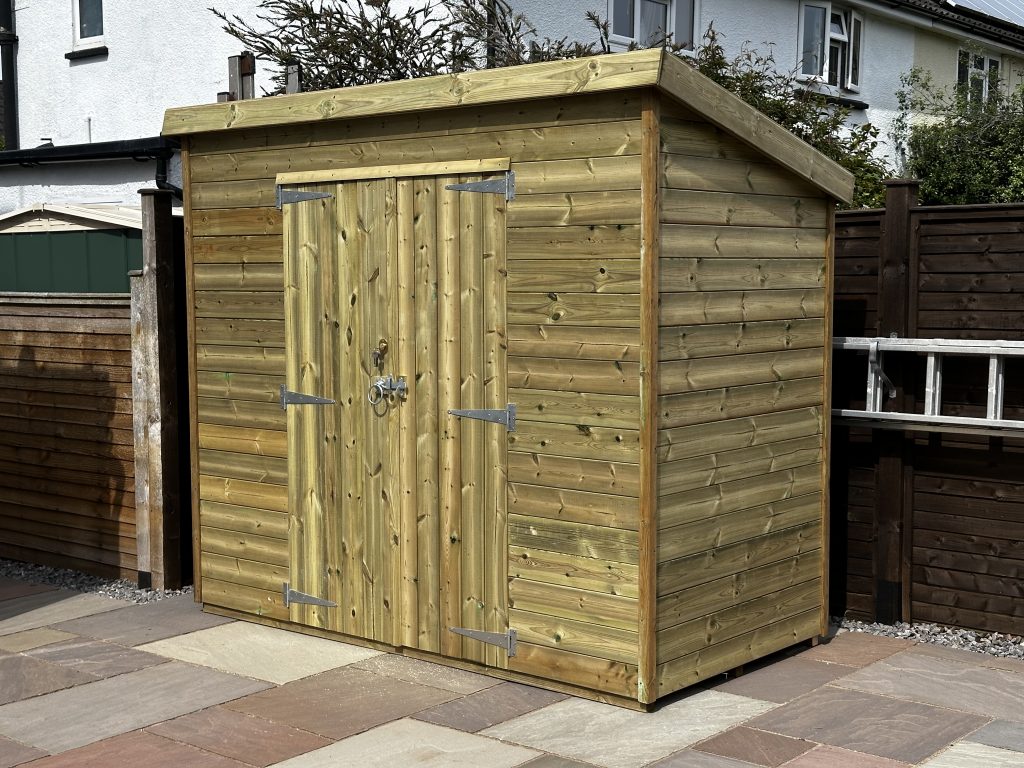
(742, 354)
(573, 351)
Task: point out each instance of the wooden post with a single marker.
(894, 287)
(157, 500)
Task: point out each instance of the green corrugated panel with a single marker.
(92, 261)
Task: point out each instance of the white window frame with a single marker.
(622, 41)
(982, 75)
(851, 22)
(79, 42)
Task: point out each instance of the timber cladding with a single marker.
(67, 463)
(652, 301)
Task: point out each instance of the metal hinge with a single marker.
(506, 416)
(297, 398)
(506, 640)
(505, 186)
(286, 196)
(291, 596)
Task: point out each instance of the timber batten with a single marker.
(666, 361)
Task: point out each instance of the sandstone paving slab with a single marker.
(33, 638)
(968, 657)
(613, 737)
(12, 753)
(833, 757)
(22, 677)
(554, 761)
(117, 705)
(96, 657)
(994, 693)
(756, 747)
(10, 589)
(427, 673)
(1001, 733)
(45, 608)
(261, 652)
(690, 758)
(784, 680)
(250, 739)
(414, 744)
(489, 707)
(969, 755)
(877, 725)
(138, 624)
(856, 649)
(137, 750)
(341, 702)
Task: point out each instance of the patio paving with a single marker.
(87, 681)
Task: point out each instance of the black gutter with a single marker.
(967, 19)
(152, 148)
(8, 61)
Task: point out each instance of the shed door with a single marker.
(398, 509)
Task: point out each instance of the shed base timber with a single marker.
(501, 674)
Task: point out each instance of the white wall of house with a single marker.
(161, 54)
(110, 181)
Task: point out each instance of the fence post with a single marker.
(157, 500)
(892, 472)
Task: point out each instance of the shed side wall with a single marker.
(573, 361)
(742, 360)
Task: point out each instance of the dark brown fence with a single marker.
(929, 526)
(67, 464)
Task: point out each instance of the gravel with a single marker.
(116, 589)
(992, 643)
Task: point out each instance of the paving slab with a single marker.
(341, 702)
(22, 677)
(856, 649)
(613, 737)
(784, 680)
(138, 624)
(968, 755)
(489, 707)
(45, 608)
(10, 589)
(250, 739)
(834, 757)
(138, 749)
(264, 653)
(12, 753)
(877, 725)
(756, 747)
(33, 638)
(968, 657)
(690, 758)
(96, 657)
(994, 693)
(1002, 734)
(427, 673)
(117, 705)
(414, 744)
(554, 761)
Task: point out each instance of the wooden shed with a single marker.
(617, 271)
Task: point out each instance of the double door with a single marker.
(395, 312)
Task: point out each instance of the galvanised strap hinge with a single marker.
(506, 640)
(291, 596)
(287, 196)
(297, 398)
(505, 186)
(506, 415)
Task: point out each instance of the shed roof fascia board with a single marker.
(594, 74)
(127, 217)
(730, 113)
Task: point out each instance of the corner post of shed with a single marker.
(650, 252)
(155, 419)
(896, 295)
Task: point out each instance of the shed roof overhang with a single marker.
(613, 72)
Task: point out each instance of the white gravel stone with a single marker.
(64, 578)
(992, 643)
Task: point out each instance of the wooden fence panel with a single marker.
(67, 486)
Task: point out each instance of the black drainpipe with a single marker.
(161, 179)
(8, 60)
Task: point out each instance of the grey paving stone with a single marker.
(138, 624)
(489, 707)
(45, 608)
(1001, 733)
(110, 707)
(138, 750)
(22, 677)
(689, 758)
(96, 657)
(967, 755)
(426, 673)
(12, 753)
(784, 680)
(554, 761)
(32, 638)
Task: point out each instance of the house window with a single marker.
(831, 45)
(88, 22)
(651, 22)
(977, 75)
